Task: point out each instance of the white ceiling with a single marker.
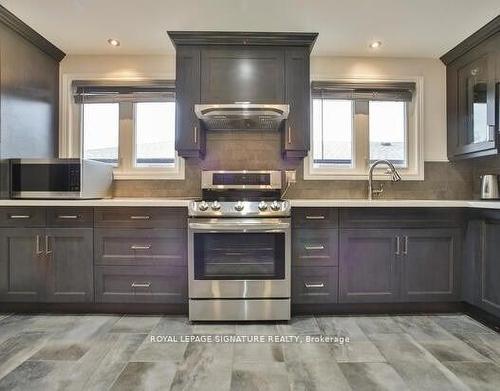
(407, 28)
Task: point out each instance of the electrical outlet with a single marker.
(291, 176)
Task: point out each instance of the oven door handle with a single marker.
(239, 227)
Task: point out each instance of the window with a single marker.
(154, 134)
(100, 132)
(357, 123)
(332, 131)
(131, 126)
(387, 125)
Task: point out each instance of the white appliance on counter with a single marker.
(60, 179)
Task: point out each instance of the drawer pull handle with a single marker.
(314, 285)
(315, 217)
(140, 285)
(314, 247)
(68, 217)
(139, 247)
(19, 217)
(140, 217)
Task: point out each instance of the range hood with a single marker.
(242, 116)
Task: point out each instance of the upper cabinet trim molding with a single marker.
(242, 38)
(475, 39)
(13, 22)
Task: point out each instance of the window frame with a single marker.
(360, 168)
(71, 132)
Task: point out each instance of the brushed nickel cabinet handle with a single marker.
(139, 247)
(68, 217)
(314, 285)
(140, 285)
(289, 135)
(315, 217)
(19, 217)
(405, 246)
(38, 250)
(195, 134)
(398, 245)
(47, 245)
(145, 217)
(314, 247)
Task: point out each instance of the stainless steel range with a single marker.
(239, 248)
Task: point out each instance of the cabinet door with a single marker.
(69, 265)
(21, 269)
(369, 271)
(296, 135)
(231, 74)
(471, 102)
(430, 262)
(490, 268)
(189, 137)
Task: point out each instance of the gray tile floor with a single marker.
(107, 352)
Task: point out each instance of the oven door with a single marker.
(239, 258)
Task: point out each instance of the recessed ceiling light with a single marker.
(375, 44)
(113, 42)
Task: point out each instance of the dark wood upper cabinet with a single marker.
(232, 67)
(249, 74)
(29, 88)
(298, 95)
(189, 137)
(472, 77)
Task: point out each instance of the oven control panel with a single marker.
(275, 208)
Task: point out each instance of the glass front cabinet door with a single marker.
(473, 103)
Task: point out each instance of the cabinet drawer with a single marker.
(315, 217)
(315, 247)
(119, 284)
(22, 217)
(400, 217)
(314, 285)
(141, 217)
(146, 247)
(70, 217)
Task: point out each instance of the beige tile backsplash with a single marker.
(262, 150)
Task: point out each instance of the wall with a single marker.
(233, 150)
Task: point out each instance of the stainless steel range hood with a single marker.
(242, 116)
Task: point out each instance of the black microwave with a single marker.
(59, 178)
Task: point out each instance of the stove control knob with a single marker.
(276, 206)
(216, 205)
(239, 206)
(203, 206)
(262, 206)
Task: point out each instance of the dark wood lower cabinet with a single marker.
(400, 265)
(69, 265)
(21, 269)
(129, 284)
(430, 265)
(489, 281)
(369, 267)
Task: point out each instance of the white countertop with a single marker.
(338, 203)
(139, 202)
(361, 203)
